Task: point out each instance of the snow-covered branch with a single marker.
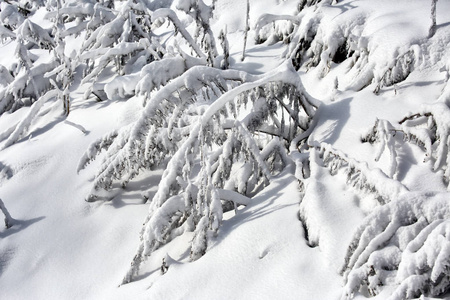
(170, 14)
(14, 133)
(430, 129)
(359, 175)
(199, 100)
(403, 244)
(9, 221)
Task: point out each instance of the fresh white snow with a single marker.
(344, 218)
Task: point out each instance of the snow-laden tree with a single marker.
(221, 135)
(26, 82)
(125, 41)
(131, 42)
(202, 14)
(10, 16)
(224, 64)
(313, 43)
(429, 129)
(86, 15)
(403, 243)
(235, 127)
(19, 130)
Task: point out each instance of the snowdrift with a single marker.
(224, 149)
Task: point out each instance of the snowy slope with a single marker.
(292, 240)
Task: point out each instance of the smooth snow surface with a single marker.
(291, 239)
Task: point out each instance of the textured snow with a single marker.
(281, 243)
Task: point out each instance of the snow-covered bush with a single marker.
(12, 134)
(399, 69)
(207, 118)
(24, 82)
(430, 129)
(385, 134)
(224, 64)
(10, 17)
(403, 244)
(374, 186)
(222, 134)
(128, 42)
(27, 81)
(202, 14)
(317, 41)
(84, 15)
(34, 33)
(359, 175)
(274, 28)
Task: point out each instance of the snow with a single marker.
(262, 260)
(354, 206)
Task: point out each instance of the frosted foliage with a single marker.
(383, 133)
(106, 35)
(399, 69)
(185, 5)
(317, 42)
(122, 39)
(129, 35)
(5, 77)
(436, 118)
(171, 15)
(180, 122)
(168, 69)
(95, 148)
(27, 77)
(359, 175)
(13, 134)
(216, 135)
(6, 34)
(274, 28)
(10, 16)
(201, 13)
(34, 33)
(325, 161)
(404, 244)
(429, 129)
